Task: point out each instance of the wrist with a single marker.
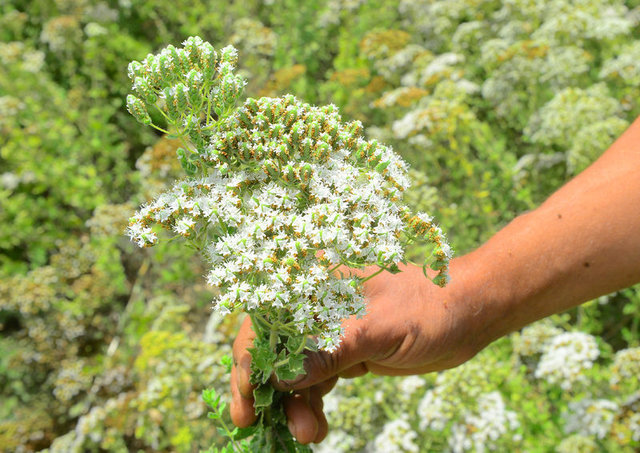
(481, 299)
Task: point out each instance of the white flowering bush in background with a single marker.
(492, 105)
(565, 357)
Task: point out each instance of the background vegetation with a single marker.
(105, 347)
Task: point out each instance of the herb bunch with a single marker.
(279, 195)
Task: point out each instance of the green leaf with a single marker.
(262, 360)
(311, 345)
(211, 398)
(293, 343)
(263, 395)
(296, 363)
(293, 367)
(394, 269)
(284, 373)
(243, 433)
(382, 166)
(227, 362)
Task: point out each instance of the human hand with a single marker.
(412, 326)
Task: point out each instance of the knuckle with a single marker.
(323, 362)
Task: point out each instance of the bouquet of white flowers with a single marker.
(279, 195)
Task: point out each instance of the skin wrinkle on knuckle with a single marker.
(325, 362)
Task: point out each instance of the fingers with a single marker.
(302, 420)
(322, 365)
(315, 400)
(303, 409)
(357, 370)
(242, 358)
(241, 407)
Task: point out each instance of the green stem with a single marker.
(297, 351)
(166, 117)
(273, 338)
(259, 322)
(372, 275)
(236, 447)
(159, 128)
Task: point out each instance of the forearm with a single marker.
(583, 242)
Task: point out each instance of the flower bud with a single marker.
(252, 106)
(171, 103)
(194, 82)
(306, 173)
(276, 131)
(306, 148)
(322, 152)
(141, 85)
(313, 129)
(229, 55)
(137, 108)
(297, 130)
(208, 61)
(271, 168)
(192, 50)
(166, 66)
(135, 69)
(291, 115)
(244, 118)
(259, 151)
(175, 61)
(181, 92)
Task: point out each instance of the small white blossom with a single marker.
(590, 417)
(396, 436)
(565, 357)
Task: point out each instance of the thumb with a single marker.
(347, 361)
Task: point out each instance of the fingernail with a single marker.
(292, 428)
(245, 365)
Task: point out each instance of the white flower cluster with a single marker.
(558, 121)
(10, 106)
(481, 429)
(434, 411)
(16, 52)
(585, 20)
(70, 381)
(590, 417)
(441, 67)
(287, 192)
(577, 443)
(625, 65)
(409, 385)
(427, 121)
(335, 8)
(253, 37)
(397, 435)
(634, 426)
(626, 366)
(336, 441)
(455, 392)
(532, 339)
(565, 357)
